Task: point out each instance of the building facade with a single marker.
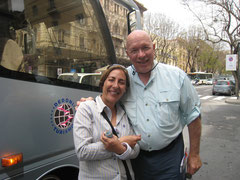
(116, 18)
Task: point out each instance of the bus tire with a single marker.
(50, 177)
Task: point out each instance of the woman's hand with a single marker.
(113, 144)
(131, 139)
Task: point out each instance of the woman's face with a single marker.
(114, 87)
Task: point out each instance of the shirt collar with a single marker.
(135, 76)
(101, 106)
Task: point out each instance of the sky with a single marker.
(172, 9)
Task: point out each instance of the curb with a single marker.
(233, 101)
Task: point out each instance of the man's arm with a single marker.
(194, 162)
(130, 139)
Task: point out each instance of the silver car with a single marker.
(223, 87)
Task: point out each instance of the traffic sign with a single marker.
(231, 60)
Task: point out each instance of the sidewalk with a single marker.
(233, 101)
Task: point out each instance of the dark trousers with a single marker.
(161, 164)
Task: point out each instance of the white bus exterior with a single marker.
(200, 78)
(40, 39)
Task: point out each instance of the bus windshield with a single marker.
(50, 37)
(52, 53)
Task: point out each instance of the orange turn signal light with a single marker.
(11, 159)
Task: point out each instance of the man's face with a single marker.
(141, 52)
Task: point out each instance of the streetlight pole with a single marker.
(236, 73)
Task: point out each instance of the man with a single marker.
(160, 102)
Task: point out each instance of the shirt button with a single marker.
(147, 119)
(149, 135)
(146, 104)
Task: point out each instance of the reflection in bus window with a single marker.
(53, 37)
(92, 79)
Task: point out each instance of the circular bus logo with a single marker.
(62, 116)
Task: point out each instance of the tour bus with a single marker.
(39, 40)
(199, 78)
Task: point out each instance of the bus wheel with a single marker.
(50, 177)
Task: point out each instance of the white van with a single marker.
(83, 78)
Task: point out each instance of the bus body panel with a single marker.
(40, 39)
(27, 110)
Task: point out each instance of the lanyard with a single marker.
(115, 133)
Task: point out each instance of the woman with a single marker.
(101, 157)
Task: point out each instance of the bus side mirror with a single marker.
(132, 21)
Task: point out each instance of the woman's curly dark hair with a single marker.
(109, 70)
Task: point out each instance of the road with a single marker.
(220, 147)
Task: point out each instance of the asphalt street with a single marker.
(220, 147)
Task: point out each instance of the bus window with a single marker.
(45, 37)
(200, 77)
(47, 47)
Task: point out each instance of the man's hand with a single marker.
(113, 144)
(131, 139)
(194, 163)
(83, 100)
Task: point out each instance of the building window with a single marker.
(61, 34)
(80, 18)
(116, 28)
(116, 9)
(54, 23)
(51, 4)
(34, 10)
(81, 42)
(106, 4)
(125, 12)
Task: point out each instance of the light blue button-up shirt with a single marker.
(160, 109)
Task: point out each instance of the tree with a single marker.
(210, 58)
(220, 23)
(191, 42)
(163, 32)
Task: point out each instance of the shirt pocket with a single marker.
(167, 108)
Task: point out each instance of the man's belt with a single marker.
(165, 149)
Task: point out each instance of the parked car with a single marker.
(232, 79)
(83, 78)
(223, 87)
